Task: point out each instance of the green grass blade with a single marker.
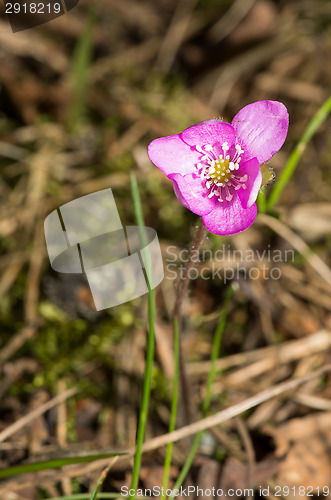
(188, 463)
(173, 412)
(141, 227)
(101, 479)
(217, 342)
(81, 61)
(52, 464)
(150, 344)
(211, 376)
(297, 153)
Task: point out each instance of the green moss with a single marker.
(65, 345)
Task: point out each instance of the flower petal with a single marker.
(251, 168)
(171, 155)
(209, 132)
(262, 129)
(192, 193)
(230, 217)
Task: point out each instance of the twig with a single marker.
(18, 340)
(248, 445)
(34, 274)
(230, 20)
(175, 34)
(231, 412)
(186, 431)
(9, 276)
(285, 232)
(284, 353)
(9, 431)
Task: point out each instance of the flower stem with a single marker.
(190, 264)
(182, 287)
(211, 376)
(261, 201)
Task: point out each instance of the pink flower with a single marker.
(215, 166)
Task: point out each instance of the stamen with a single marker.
(238, 148)
(219, 171)
(229, 196)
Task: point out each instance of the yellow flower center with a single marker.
(220, 172)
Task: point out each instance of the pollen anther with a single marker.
(218, 170)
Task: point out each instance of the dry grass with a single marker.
(157, 67)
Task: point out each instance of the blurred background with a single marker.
(81, 98)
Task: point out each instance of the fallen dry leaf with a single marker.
(306, 444)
